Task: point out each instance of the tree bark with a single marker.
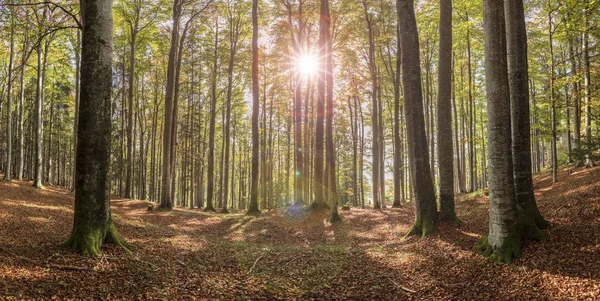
(426, 209)
(516, 34)
(92, 218)
(7, 171)
(253, 204)
(166, 199)
(444, 115)
(506, 227)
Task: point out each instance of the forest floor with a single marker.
(188, 254)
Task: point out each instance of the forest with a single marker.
(299, 150)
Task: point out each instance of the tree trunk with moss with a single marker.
(422, 186)
(516, 34)
(93, 222)
(506, 225)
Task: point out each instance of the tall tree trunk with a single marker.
(444, 115)
(166, 199)
(503, 243)
(426, 209)
(77, 97)
(330, 154)
(319, 193)
(253, 205)
(7, 172)
(587, 78)
(575, 95)
(211, 133)
(39, 131)
(472, 159)
(130, 88)
(233, 40)
(398, 149)
(551, 77)
(375, 108)
(92, 217)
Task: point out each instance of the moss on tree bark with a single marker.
(510, 249)
(89, 240)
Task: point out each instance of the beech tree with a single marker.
(424, 196)
(93, 223)
(444, 115)
(253, 204)
(507, 226)
(516, 36)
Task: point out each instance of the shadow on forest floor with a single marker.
(187, 254)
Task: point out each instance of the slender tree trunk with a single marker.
(330, 154)
(130, 88)
(7, 172)
(319, 193)
(39, 138)
(552, 98)
(398, 149)
(575, 95)
(233, 39)
(472, 160)
(253, 205)
(211, 133)
(444, 115)
(375, 109)
(587, 79)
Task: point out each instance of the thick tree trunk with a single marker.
(92, 218)
(426, 209)
(166, 199)
(519, 97)
(506, 225)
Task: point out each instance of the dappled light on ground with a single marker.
(187, 254)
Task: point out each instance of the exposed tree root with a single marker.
(423, 226)
(89, 240)
(525, 228)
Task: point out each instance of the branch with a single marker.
(66, 11)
